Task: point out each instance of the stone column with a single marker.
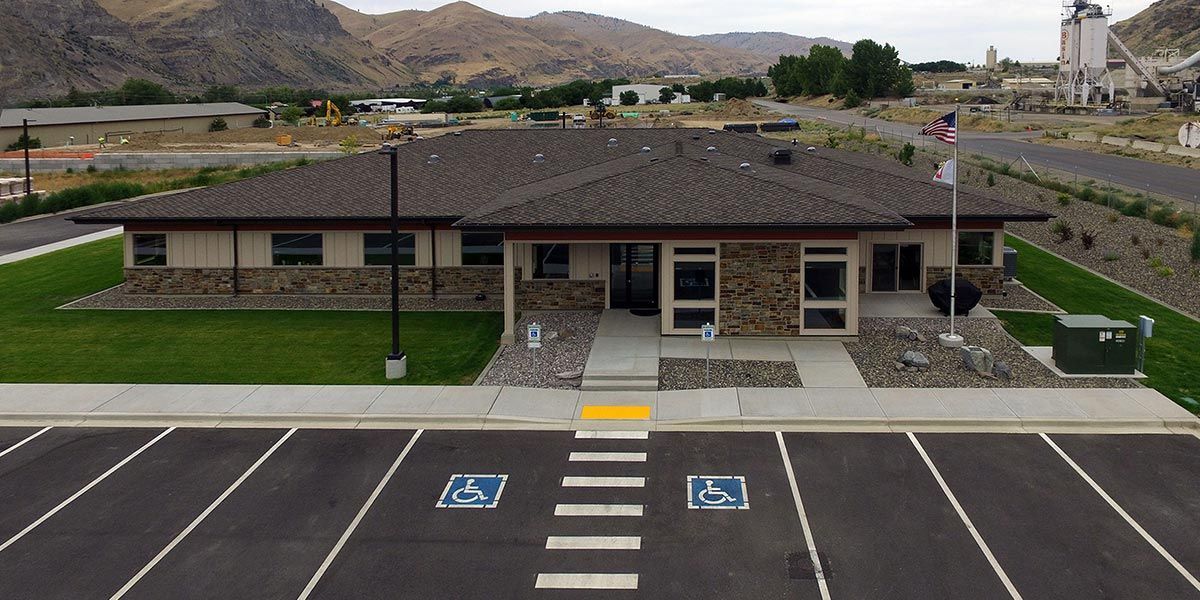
(510, 300)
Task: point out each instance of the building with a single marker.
(958, 84)
(648, 93)
(990, 59)
(85, 125)
(1026, 83)
(704, 226)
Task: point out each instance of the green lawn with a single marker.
(1172, 355)
(40, 344)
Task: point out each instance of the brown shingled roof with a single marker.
(482, 167)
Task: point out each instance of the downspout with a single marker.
(432, 262)
(236, 282)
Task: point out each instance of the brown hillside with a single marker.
(772, 44)
(1164, 24)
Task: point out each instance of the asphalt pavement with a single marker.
(40, 231)
(326, 513)
(1155, 178)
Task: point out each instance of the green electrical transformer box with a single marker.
(1094, 345)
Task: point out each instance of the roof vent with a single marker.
(459, 133)
(781, 156)
(711, 149)
(811, 149)
(539, 158)
(612, 142)
(645, 149)
(695, 136)
(434, 159)
(712, 132)
(795, 142)
(744, 167)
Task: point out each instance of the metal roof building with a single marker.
(57, 126)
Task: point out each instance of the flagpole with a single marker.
(952, 340)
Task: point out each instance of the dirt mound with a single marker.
(735, 108)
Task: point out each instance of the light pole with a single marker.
(396, 365)
(28, 178)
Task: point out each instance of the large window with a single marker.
(297, 249)
(694, 318)
(976, 247)
(150, 249)
(551, 261)
(824, 318)
(825, 280)
(377, 249)
(482, 248)
(695, 280)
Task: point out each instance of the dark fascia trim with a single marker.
(690, 227)
(241, 220)
(1040, 217)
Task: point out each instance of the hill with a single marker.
(462, 43)
(1164, 24)
(771, 44)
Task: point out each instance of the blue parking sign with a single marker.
(472, 491)
(717, 492)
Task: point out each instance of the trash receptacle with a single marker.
(1010, 263)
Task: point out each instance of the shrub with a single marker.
(906, 154)
(1088, 238)
(1111, 256)
(91, 169)
(24, 141)
(852, 100)
(991, 181)
(1112, 201)
(1196, 245)
(1137, 208)
(218, 124)
(1113, 217)
(1062, 230)
(1145, 252)
(1164, 271)
(1135, 239)
(262, 122)
(1156, 262)
(349, 145)
(1064, 199)
(1087, 194)
(1165, 216)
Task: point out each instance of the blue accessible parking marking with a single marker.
(717, 491)
(472, 491)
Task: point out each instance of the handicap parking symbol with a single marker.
(717, 491)
(472, 491)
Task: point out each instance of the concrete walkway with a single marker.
(624, 354)
(479, 407)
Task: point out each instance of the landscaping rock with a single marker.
(900, 366)
(978, 359)
(1002, 370)
(914, 359)
(558, 363)
(573, 374)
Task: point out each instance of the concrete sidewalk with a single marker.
(482, 407)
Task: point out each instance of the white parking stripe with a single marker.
(196, 522)
(1124, 515)
(590, 542)
(608, 457)
(24, 441)
(362, 512)
(85, 489)
(612, 435)
(598, 510)
(808, 536)
(987, 552)
(632, 482)
(587, 581)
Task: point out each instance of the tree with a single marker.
(349, 145)
(23, 142)
(596, 98)
(702, 91)
(939, 66)
(141, 91)
(904, 84)
(873, 70)
(666, 95)
(292, 115)
(678, 88)
(507, 104)
(629, 98)
(218, 124)
(222, 93)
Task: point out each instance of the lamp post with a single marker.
(396, 365)
(28, 178)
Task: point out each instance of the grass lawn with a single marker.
(40, 344)
(1172, 355)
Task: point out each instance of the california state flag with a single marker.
(945, 173)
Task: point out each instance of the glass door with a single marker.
(633, 276)
(896, 267)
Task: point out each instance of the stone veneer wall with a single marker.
(561, 294)
(761, 288)
(372, 281)
(989, 279)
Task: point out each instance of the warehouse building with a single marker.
(85, 125)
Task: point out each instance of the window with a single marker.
(976, 247)
(824, 318)
(297, 249)
(694, 251)
(695, 280)
(694, 318)
(551, 261)
(150, 249)
(825, 280)
(377, 249)
(482, 248)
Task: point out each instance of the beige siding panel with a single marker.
(589, 261)
(523, 259)
(128, 249)
(424, 241)
(254, 248)
(200, 249)
(343, 249)
(449, 248)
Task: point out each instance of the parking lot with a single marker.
(310, 513)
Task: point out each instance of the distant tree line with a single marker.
(938, 66)
(872, 71)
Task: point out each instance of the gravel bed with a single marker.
(1018, 297)
(116, 299)
(877, 350)
(1113, 238)
(688, 374)
(566, 341)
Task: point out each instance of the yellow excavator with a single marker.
(333, 114)
(398, 132)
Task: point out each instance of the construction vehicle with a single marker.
(333, 114)
(608, 113)
(396, 132)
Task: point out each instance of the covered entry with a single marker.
(633, 276)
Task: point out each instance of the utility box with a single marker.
(1010, 263)
(1094, 345)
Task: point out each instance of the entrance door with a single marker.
(633, 276)
(895, 267)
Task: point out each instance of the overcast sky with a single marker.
(921, 29)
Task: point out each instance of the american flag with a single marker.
(945, 129)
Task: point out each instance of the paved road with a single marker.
(49, 229)
(270, 513)
(1179, 182)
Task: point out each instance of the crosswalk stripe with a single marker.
(598, 510)
(594, 542)
(587, 581)
(607, 457)
(604, 482)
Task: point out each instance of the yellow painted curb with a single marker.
(615, 412)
